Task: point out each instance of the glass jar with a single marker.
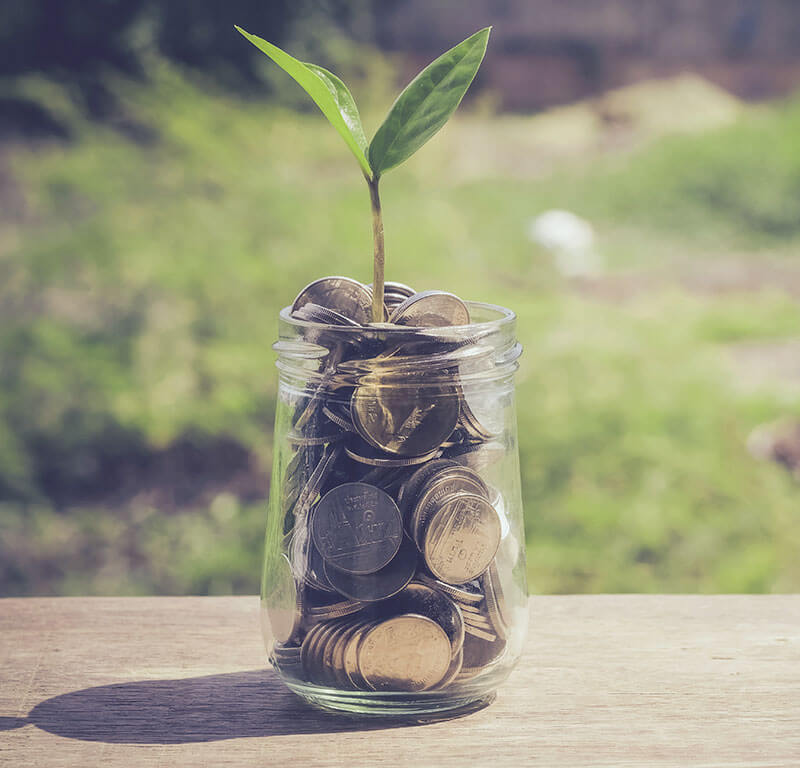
(394, 579)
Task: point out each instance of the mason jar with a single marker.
(394, 579)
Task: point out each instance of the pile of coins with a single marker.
(391, 577)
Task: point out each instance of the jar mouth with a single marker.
(398, 357)
(494, 319)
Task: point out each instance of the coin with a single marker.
(483, 634)
(431, 309)
(426, 601)
(337, 660)
(464, 594)
(314, 401)
(478, 428)
(311, 489)
(398, 289)
(350, 657)
(461, 538)
(307, 563)
(406, 420)
(328, 653)
(317, 314)
(341, 420)
(282, 603)
(409, 490)
(438, 489)
(364, 453)
(306, 648)
(341, 294)
(477, 620)
(404, 653)
(396, 360)
(334, 610)
(384, 583)
(357, 528)
(304, 440)
(496, 605)
(452, 672)
(313, 659)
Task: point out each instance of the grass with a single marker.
(139, 289)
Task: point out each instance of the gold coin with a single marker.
(404, 653)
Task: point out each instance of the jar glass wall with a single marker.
(394, 578)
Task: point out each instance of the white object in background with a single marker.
(571, 241)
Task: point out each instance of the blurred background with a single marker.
(625, 174)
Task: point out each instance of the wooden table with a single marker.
(606, 680)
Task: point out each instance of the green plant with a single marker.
(422, 108)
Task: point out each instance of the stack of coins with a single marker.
(390, 577)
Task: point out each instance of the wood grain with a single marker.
(606, 680)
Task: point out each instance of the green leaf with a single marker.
(329, 93)
(346, 103)
(426, 103)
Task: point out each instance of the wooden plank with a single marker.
(605, 680)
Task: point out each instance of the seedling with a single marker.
(422, 108)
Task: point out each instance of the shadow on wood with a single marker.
(196, 709)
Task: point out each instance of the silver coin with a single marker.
(368, 454)
(282, 602)
(350, 657)
(404, 653)
(461, 538)
(311, 658)
(431, 309)
(302, 440)
(317, 314)
(477, 620)
(334, 610)
(452, 672)
(496, 604)
(328, 653)
(426, 601)
(382, 584)
(307, 647)
(438, 489)
(315, 482)
(341, 294)
(409, 491)
(398, 289)
(483, 634)
(397, 362)
(357, 528)
(343, 421)
(307, 564)
(481, 415)
(404, 420)
(466, 595)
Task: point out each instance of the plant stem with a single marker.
(378, 261)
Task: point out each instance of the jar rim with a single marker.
(505, 318)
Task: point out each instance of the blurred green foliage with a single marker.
(139, 288)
